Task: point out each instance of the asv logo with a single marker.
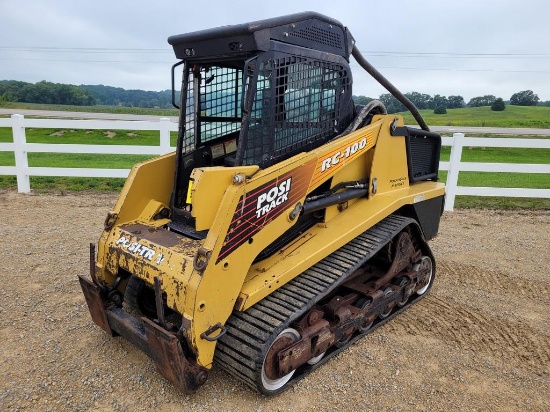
(136, 248)
(274, 197)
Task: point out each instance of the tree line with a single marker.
(439, 103)
(45, 92)
(90, 95)
(117, 96)
(84, 95)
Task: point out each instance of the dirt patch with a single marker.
(479, 341)
(109, 134)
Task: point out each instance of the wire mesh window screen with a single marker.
(220, 102)
(189, 113)
(296, 105)
(216, 111)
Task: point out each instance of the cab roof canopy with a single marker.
(308, 29)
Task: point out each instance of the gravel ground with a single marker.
(479, 341)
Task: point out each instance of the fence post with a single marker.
(164, 135)
(21, 161)
(454, 169)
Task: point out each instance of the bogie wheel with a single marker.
(271, 383)
(343, 341)
(385, 313)
(365, 324)
(140, 297)
(402, 282)
(426, 265)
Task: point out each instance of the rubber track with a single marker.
(249, 334)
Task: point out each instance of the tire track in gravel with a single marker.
(468, 276)
(480, 332)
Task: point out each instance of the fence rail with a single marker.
(454, 166)
(20, 146)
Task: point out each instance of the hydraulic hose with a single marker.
(389, 87)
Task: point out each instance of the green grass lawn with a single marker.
(99, 161)
(499, 155)
(513, 116)
(6, 135)
(78, 136)
(91, 109)
(44, 184)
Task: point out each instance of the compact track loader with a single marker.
(288, 223)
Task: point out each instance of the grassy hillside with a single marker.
(90, 109)
(513, 116)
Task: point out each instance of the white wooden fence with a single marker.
(455, 166)
(22, 170)
(20, 146)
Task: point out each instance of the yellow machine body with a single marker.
(289, 221)
(207, 297)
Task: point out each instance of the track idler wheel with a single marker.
(425, 267)
(271, 378)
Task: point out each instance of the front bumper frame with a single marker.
(161, 345)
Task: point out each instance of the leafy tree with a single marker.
(420, 100)
(486, 100)
(361, 99)
(455, 102)
(392, 104)
(440, 101)
(41, 92)
(45, 92)
(440, 110)
(498, 105)
(524, 98)
(10, 89)
(116, 96)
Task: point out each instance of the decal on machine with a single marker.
(345, 153)
(257, 207)
(398, 182)
(333, 160)
(137, 248)
(272, 198)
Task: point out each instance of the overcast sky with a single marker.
(468, 47)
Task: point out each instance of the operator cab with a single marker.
(259, 93)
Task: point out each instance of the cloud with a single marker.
(468, 48)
